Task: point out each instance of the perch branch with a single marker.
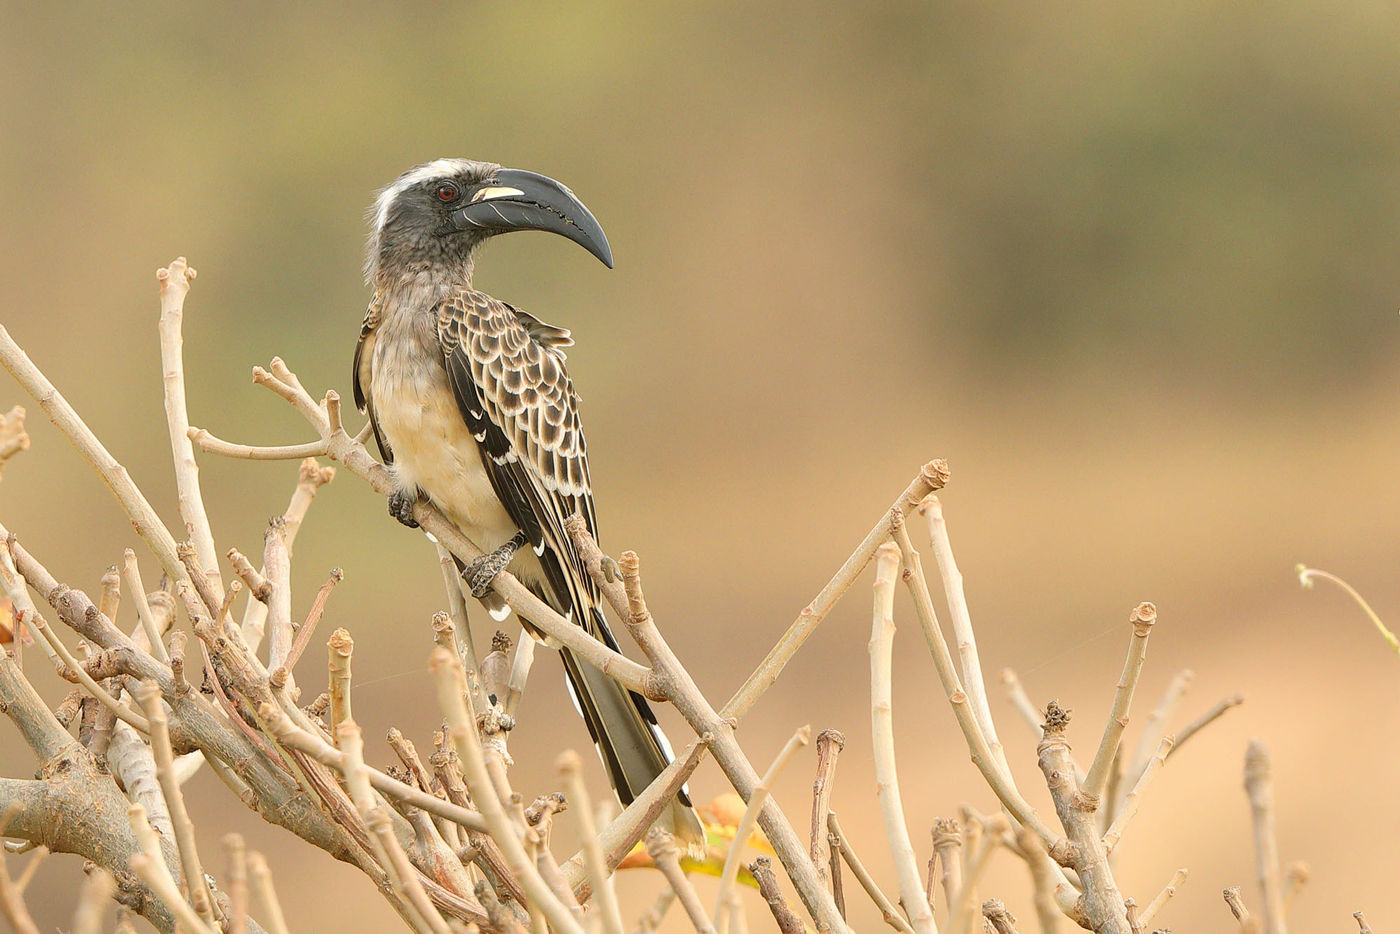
(1142, 619)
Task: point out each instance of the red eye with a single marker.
(447, 192)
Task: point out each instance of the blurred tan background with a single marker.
(1131, 268)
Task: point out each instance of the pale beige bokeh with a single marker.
(1130, 269)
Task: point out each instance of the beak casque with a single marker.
(519, 200)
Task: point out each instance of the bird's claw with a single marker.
(401, 508)
(480, 573)
(611, 572)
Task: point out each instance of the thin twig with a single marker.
(148, 695)
(788, 921)
(1133, 799)
(12, 904)
(313, 616)
(1160, 900)
(93, 899)
(1142, 620)
(237, 884)
(604, 896)
(661, 847)
(997, 778)
(1204, 720)
(829, 746)
(149, 864)
(745, 827)
(1021, 701)
(402, 876)
(1259, 785)
(1306, 576)
(881, 647)
(131, 572)
(340, 649)
(888, 912)
(932, 477)
(267, 896)
(1361, 922)
(455, 701)
(175, 282)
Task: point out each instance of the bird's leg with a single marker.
(480, 573)
(401, 507)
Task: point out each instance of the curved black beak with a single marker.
(518, 200)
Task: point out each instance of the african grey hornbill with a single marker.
(473, 409)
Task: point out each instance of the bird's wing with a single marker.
(362, 373)
(508, 377)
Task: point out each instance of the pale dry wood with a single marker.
(1259, 785)
(661, 847)
(313, 617)
(1021, 701)
(1000, 920)
(210, 444)
(1155, 727)
(881, 649)
(1101, 904)
(1299, 873)
(148, 695)
(37, 624)
(963, 633)
(144, 518)
(1160, 900)
(604, 896)
(947, 854)
(93, 899)
(150, 865)
(627, 599)
(13, 437)
(288, 733)
(1360, 917)
(1205, 720)
(131, 573)
(340, 649)
(997, 778)
(12, 903)
(387, 849)
(175, 281)
(744, 829)
(237, 883)
(1133, 799)
(1142, 620)
(888, 912)
(277, 568)
(261, 878)
(455, 701)
(111, 598)
(1249, 924)
(933, 476)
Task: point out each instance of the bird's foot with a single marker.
(401, 508)
(480, 573)
(611, 572)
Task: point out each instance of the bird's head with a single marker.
(435, 215)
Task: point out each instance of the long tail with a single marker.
(631, 744)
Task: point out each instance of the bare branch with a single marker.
(746, 822)
(13, 437)
(605, 898)
(661, 847)
(890, 914)
(174, 286)
(882, 729)
(788, 921)
(113, 474)
(1162, 897)
(932, 477)
(1204, 720)
(1142, 619)
(1259, 784)
(148, 695)
(1133, 799)
(829, 746)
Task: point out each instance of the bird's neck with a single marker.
(422, 284)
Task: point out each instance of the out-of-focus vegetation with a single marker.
(1131, 267)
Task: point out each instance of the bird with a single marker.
(472, 409)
